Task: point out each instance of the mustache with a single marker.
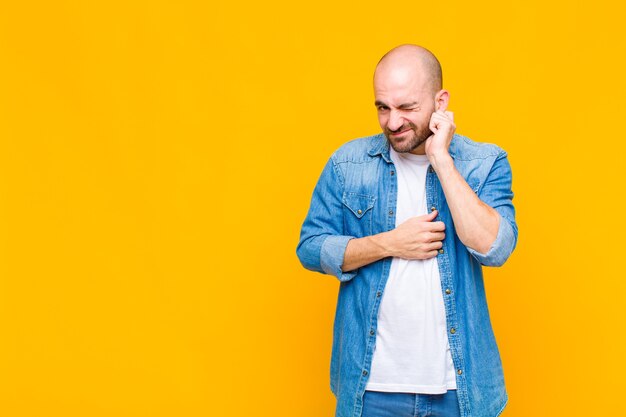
(400, 129)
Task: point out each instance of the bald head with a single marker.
(408, 90)
(412, 60)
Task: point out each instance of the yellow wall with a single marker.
(157, 161)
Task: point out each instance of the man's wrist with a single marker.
(381, 240)
(441, 161)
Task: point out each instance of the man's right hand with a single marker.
(417, 238)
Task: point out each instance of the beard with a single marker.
(411, 140)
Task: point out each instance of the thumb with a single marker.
(428, 217)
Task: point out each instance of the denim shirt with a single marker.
(355, 196)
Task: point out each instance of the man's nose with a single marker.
(395, 120)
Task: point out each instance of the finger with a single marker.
(428, 217)
(434, 123)
(436, 227)
(443, 115)
(433, 246)
(434, 236)
(438, 115)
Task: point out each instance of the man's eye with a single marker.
(382, 108)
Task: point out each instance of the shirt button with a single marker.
(359, 211)
(390, 212)
(372, 332)
(378, 294)
(364, 373)
(392, 172)
(459, 372)
(440, 250)
(433, 208)
(448, 291)
(453, 330)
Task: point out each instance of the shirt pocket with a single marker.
(357, 213)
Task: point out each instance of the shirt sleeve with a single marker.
(322, 243)
(497, 193)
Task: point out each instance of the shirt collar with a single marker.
(380, 146)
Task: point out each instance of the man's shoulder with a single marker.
(358, 150)
(464, 148)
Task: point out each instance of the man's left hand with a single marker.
(443, 127)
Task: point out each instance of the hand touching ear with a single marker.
(443, 127)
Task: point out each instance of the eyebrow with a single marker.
(408, 105)
(401, 106)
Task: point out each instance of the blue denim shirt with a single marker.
(355, 196)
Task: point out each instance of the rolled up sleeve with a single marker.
(322, 244)
(501, 248)
(498, 194)
(331, 257)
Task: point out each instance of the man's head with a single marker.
(408, 89)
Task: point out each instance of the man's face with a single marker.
(405, 105)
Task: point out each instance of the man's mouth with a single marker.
(401, 132)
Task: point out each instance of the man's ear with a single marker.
(442, 98)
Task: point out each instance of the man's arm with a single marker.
(475, 222)
(486, 223)
(416, 238)
(322, 241)
(324, 248)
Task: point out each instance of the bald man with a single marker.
(405, 219)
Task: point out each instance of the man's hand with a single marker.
(417, 238)
(443, 127)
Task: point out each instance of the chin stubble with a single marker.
(412, 143)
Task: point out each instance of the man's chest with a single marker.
(411, 191)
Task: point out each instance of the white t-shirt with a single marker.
(412, 353)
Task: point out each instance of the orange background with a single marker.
(157, 160)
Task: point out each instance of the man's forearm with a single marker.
(475, 222)
(363, 251)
